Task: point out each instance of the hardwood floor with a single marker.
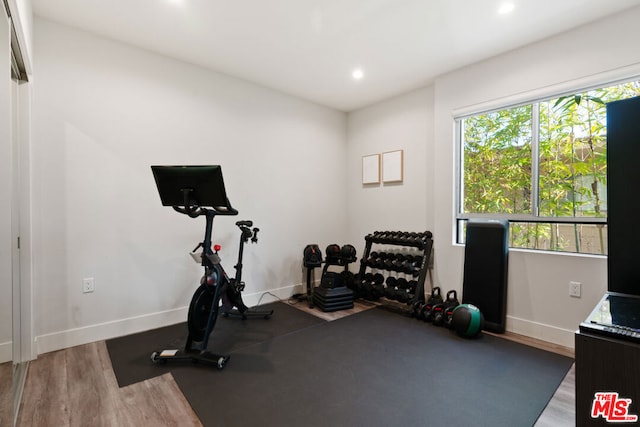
(561, 410)
(6, 402)
(77, 387)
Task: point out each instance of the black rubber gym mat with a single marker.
(131, 355)
(376, 368)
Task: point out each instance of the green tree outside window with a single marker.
(567, 179)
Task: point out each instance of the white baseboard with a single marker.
(273, 294)
(548, 333)
(6, 352)
(117, 328)
(103, 331)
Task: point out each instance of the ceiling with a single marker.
(309, 48)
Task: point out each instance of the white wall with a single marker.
(538, 303)
(403, 123)
(421, 123)
(103, 112)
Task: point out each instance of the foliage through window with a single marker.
(543, 166)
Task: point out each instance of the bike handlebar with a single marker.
(248, 232)
(193, 210)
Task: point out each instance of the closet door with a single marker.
(6, 157)
(6, 348)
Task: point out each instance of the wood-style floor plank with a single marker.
(358, 306)
(6, 401)
(561, 409)
(77, 387)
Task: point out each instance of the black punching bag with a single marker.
(486, 257)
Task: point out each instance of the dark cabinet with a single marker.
(610, 367)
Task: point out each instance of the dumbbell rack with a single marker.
(397, 242)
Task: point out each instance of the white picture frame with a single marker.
(392, 166)
(371, 169)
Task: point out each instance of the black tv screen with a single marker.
(205, 185)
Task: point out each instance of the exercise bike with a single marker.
(199, 191)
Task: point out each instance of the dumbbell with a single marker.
(417, 240)
(402, 295)
(389, 236)
(377, 291)
(390, 289)
(412, 286)
(389, 293)
(347, 254)
(392, 260)
(332, 253)
(348, 279)
(407, 265)
(402, 283)
(417, 310)
(412, 238)
(378, 262)
(372, 285)
(364, 289)
(370, 260)
(388, 261)
(384, 237)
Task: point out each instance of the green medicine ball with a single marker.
(467, 320)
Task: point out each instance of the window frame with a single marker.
(533, 98)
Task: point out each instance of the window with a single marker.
(543, 166)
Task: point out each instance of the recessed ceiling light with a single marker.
(357, 74)
(506, 8)
(176, 2)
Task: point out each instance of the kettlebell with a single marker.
(434, 299)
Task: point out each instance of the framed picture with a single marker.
(392, 169)
(371, 169)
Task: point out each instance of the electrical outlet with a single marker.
(574, 289)
(88, 285)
